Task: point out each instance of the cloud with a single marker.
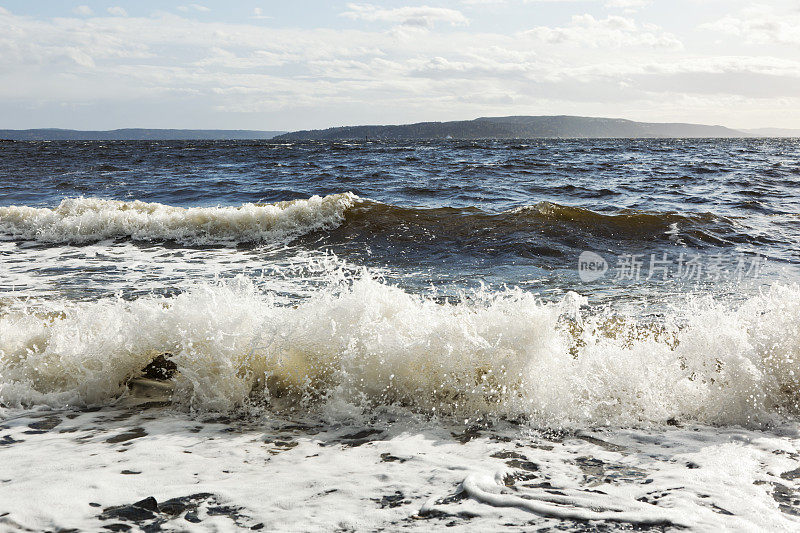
(194, 7)
(422, 16)
(760, 24)
(84, 11)
(612, 31)
(168, 67)
(117, 11)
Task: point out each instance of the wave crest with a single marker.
(364, 343)
(82, 220)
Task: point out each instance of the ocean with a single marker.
(499, 335)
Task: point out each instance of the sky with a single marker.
(315, 64)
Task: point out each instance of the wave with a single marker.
(544, 224)
(362, 344)
(83, 220)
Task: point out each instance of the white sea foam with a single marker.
(81, 220)
(362, 342)
(411, 476)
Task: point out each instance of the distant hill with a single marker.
(518, 128)
(773, 132)
(134, 134)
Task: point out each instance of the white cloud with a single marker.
(244, 72)
(194, 7)
(117, 11)
(760, 24)
(84, 11)
(422, 16)
(612, 31)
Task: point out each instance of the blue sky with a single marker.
(282, 65)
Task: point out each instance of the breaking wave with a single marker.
(82, 220)
(362, 344)
(85, 220)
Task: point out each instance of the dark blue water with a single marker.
(455, 213)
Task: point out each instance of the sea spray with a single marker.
(82, 220)
(365, 342)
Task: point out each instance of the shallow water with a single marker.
(295, 314)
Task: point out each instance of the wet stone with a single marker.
(392, 500)
(148, 515)
(160, 368)
(601, 443)
(45, 424)
(592, 468)
(148, 503)
(719, 510)
(132, 513)
(523, 465)
(117, 527)
(791, 474)
(280, 445)
(508, 455)
(361, 437)
(6, 440)
(134, 433)
(787, 499)
(470, 433)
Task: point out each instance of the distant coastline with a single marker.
(134, 134)
(519, 127)
(513, 127)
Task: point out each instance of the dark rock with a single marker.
(46, 423)
(160, 368)
(359, 438)
(791, 474)
(149, 516)
(720, 510)
(176, 506)
(508, 455)
(117, 527)
(470, 433)
(148, 503)
(603, 444)
(392, 500)
(134, 433)
(127, 512)
(523, 465)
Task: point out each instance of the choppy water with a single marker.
(442, 279)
